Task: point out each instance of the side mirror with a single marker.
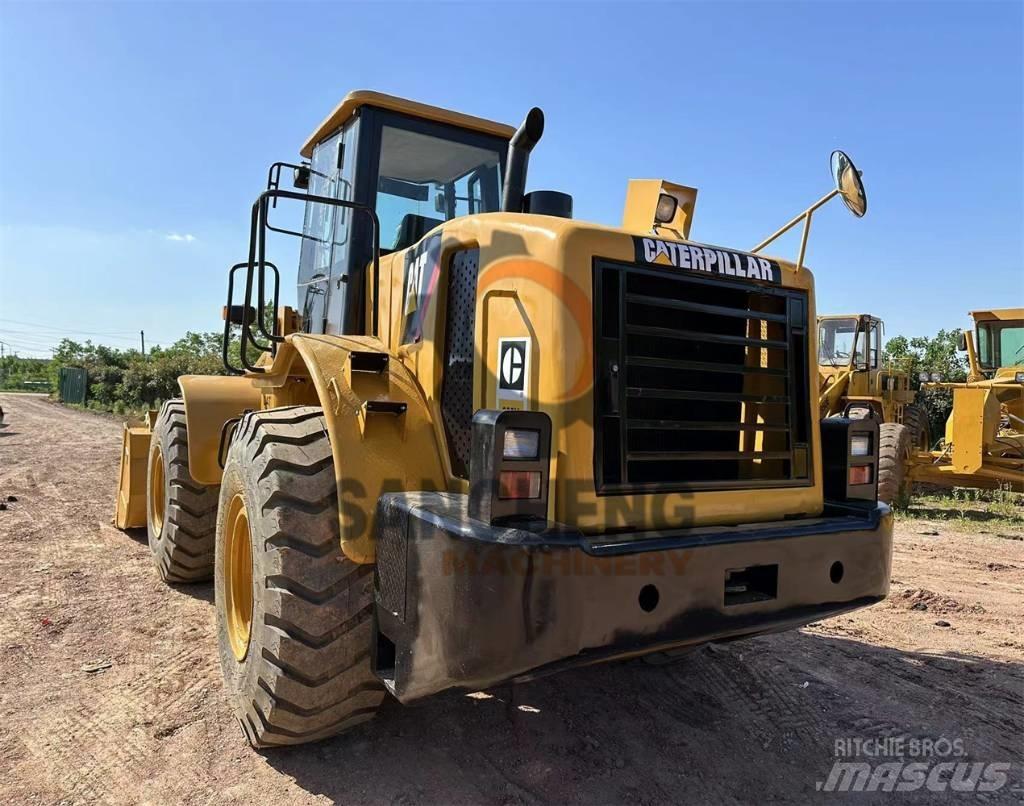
(440, 203)
(301, 177)
(849, 184)
(961, 342)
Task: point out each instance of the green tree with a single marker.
(937, 354)
(25, 373)
(126, 380)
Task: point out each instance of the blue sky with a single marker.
(134, 137)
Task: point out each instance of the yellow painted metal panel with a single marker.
(131, 488)
(536, 279)
(373, 453)
(210, 401)
(975, 419)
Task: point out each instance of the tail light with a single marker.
(860, 474)
(519, 484)
(509, 465)
(849, 458)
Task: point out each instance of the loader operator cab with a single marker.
(1000, 342)
(413, 172)
(853, 378)
(853, 342)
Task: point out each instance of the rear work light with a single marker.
(521, 443)
(860, 445)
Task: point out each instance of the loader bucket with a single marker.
(131, 490)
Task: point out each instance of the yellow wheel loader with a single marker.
(983, 445)
(854, 381)
(489, 441)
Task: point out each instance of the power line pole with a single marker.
(142, 334)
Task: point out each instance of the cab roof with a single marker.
(351, 102)
(999, 314)
(849, 316)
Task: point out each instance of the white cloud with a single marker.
(187, 237)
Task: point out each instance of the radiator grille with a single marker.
(700, 384)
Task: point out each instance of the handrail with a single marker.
(246, 334)
(260, 214)
(258, 226)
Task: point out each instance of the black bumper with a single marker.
(462, 604)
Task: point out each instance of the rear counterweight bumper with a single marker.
(466, 605)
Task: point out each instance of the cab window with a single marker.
(835, 341)
(424, 181)
(1000, 344)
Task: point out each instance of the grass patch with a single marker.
(968, 510)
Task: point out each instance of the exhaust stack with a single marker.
(520, 146)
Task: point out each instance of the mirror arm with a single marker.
(805, 216)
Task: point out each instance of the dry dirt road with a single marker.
(110, 691)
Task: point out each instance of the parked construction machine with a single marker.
(983, 445)
(491, 442)
(855, 381)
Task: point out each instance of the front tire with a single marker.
(294, 615)
(181, 513)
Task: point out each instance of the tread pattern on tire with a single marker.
(916, 421)
(307, 673)
(184, 550)
(893, 449)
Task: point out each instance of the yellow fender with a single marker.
(376, 449)
(210, 401)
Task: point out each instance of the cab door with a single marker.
(323, 261)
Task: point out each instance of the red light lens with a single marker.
(519, 484)
(861, 474)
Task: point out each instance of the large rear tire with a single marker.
(916, 421)
(181, 513)
(893, 458)
(294, 615)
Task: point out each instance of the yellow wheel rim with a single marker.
(238, 578)
(157, 501)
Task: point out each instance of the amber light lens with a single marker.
(519, 484)
(860, 474)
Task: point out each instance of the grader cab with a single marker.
(489, 441)
(983, 444)
(854, 380)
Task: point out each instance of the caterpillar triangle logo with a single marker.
(513, 368)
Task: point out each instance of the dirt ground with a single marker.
(110, 689)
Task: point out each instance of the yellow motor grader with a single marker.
(855, 381)
(983, 445)
(489, 441)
